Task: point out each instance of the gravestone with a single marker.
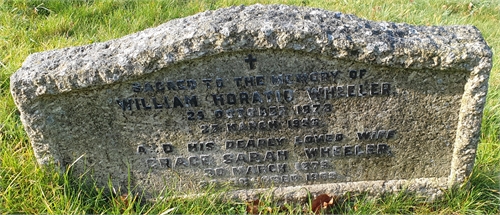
(264, 98)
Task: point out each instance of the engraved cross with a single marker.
(250, 60)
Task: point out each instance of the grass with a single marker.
(32, 26)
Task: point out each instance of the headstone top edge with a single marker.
(277, 27)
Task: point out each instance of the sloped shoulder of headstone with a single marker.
(235, 29)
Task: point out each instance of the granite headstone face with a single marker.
(265, 96)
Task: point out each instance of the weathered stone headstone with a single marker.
(284, 97)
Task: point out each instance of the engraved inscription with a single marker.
(281, 128)
(251, 60)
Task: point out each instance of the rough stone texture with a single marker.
(71, 102)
